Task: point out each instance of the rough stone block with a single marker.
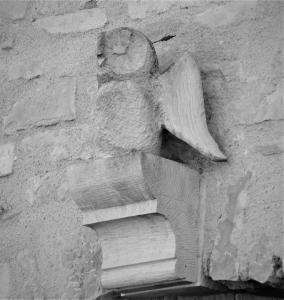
(42, 189)
(44, 104)
(75, 22)
(245, 248)
(64, 144)
(82, 258)
(6, 40)
(14, 10)
(6, 159)
(272, 108)
(4, 280)
(53, 256)
(223, 15)
(27, 71)
(41, 9)
(264, 105)
(139, 9)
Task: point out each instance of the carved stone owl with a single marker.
(135, 102)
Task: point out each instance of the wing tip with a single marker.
(215, 155)
(220, 158)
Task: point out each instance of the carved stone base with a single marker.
(144, 209)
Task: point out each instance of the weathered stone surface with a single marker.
(27, 262)
(241, 40)
(27, 71)
(224, 15)
(156, 31)
(61, 259)
(267, 149)
(43, 189)
(245, 248)
(44, 104)
(14, 10)
(75, 22)
(272, 108)
(138, 9)
(42, 8)
(83, 260)
(7, 212)
(65, 57)
(261, 263)
(224, 256)
(264, 105)
(59, 145)
(6, 40)
(6, 159)
(4, 280)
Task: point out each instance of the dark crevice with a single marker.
(165, 38)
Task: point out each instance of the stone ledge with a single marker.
(80, 21)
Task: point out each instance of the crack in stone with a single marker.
(165, 38)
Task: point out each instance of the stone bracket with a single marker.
(144, 209)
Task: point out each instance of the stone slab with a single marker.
(14, 10)
(44, 104)
(6, 159)
(224, 15)
(74, 22)
(140, 9)
(4, 280)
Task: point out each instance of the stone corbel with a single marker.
(144, 209)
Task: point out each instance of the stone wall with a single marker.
(49, 123)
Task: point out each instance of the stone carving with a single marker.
(144, 208)
(145, 211)
(136, 102)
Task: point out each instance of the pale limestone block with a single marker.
(225, 252)
(32, 186)
(140, 9)
(6, 159)
(261, 108)
(44, 8)
(82, 258)
(4, 280)
(224, 15)
(7, 40)
(272, 108)
(63, 144)
(30, 70)
(43, 105)
(136, 10)
(42, 189)
(74, 22)
(14, 10)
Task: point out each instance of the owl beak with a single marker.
(101, 60)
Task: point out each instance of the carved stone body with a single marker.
(130, 118)
(136, 102)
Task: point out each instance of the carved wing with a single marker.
(183, 107)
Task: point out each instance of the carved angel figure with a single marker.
(136, 102)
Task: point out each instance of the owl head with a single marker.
(125, 53)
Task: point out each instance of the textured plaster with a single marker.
(44, 251)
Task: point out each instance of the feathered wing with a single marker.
(183, 107)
